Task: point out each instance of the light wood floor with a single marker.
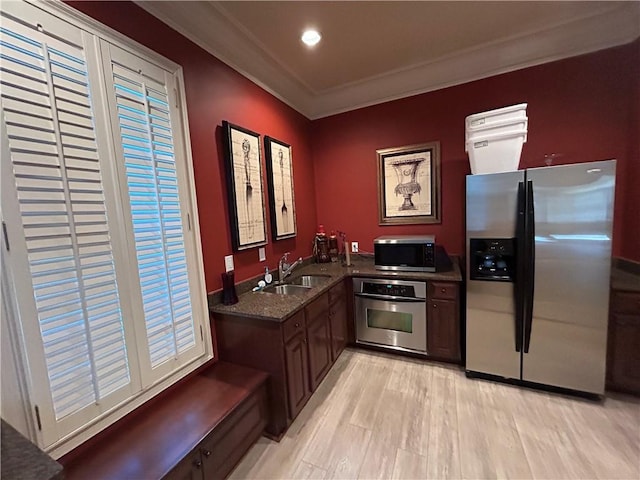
(383, 416)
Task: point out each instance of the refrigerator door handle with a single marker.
(531, 265)
(519, 285)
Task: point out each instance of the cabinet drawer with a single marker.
(224, 447)
(442, 290)
(293, 325)
(190, 468)
(625, 302)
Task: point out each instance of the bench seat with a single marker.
(207, 423)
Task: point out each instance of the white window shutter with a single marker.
(97, 192)
(59, 199)
(142, 120)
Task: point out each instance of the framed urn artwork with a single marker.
(280, 184)
(409, 184)
(244, 187)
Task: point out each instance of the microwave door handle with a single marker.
(390, 298)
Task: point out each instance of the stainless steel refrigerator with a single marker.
(538, 267)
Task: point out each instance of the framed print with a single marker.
(280, 183)
(409, 184)
(244, 187)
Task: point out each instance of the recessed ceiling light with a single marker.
(311, 37)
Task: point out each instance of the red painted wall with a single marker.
(584, 108)
(215, 92)
(631, 233)
(579, 108)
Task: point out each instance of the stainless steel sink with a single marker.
(286, 289)
(309, 280)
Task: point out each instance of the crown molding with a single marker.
(585, 35)
(208, 27)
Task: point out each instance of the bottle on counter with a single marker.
(229, 295)
(345, 249)
(333, 246)
(321, 246)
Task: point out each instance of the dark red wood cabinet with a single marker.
(338, 315)
(297, 363)
(319, 339)
(218, 453)
(623, 352)
(443, 321)
(196, 431)
(297, 352)
(190, 468)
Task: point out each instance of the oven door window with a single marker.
(386, 320)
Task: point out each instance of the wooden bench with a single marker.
(199, 430)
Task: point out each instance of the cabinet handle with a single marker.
(297, 325)
(443, 290)
(197, 463)
(206, 453)
(435, 306)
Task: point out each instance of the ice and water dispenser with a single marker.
(492, 259)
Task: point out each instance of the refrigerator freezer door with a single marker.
(491, 329)
(573, 210)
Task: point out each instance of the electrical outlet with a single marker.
(228, 263)
(354, 247)
(261, 254)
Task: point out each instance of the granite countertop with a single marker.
(277, 307)
(21, 459)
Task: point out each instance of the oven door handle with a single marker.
(390, 298)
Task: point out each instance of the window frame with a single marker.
(146, 387)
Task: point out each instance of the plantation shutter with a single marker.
(54, 164)
(102, 253)
(143, 112)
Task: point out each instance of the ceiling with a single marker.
(373, 52)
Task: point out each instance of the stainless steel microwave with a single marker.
(411, 253)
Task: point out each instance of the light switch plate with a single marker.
(262, 254)
(228, 263)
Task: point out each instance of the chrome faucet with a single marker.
(284, 268)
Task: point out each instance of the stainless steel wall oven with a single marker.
(391, 314)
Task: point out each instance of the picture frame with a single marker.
(245, 191)
(409, 184)
(282, 209)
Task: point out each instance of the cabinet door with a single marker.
(188, 469)
(319, 335)
(338, 314)
(443, 337)
(234, 436)
(625, 354)
(297, 373)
